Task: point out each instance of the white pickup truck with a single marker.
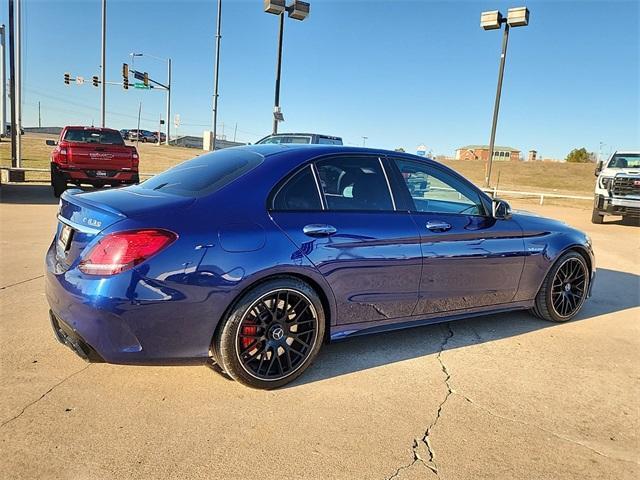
(618, 187)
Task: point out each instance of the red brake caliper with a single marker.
(250, 329)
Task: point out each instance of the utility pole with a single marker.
(364, 141)
(3, 87)
(215, 77)
(235, 131)
(103, 68)
(18, 84)
(138, 131)
(12, 83)
(168, 100)
(39, 117)
(276, 101)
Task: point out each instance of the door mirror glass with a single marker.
(501, 209)
(51, 143)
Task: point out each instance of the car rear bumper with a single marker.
(109, 320)
(96, 176)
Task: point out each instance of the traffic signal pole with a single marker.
(103, 68)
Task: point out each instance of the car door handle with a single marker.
(438, 226)
(319, 230)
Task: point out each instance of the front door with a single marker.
(340, 213)
(470, 259)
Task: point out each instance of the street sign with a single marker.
(141, 85)
(138, 75)
(176, 120)
(79, 80)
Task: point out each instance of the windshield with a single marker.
(628, 160)
(205, 174)
(94, 136)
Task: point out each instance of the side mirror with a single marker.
(501, 210)
(598, 169)
(51, 143)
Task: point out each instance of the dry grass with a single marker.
(575, 179)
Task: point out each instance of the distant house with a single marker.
(481, 152)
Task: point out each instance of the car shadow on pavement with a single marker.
(30, 194)
(27, 194)
(613, 291)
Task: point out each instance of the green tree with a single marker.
(399, 149)
(580, 155)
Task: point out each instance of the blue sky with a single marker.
(400, 73)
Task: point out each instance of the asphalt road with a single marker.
(502, 396)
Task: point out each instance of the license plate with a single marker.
(101, 173)
(64, 239)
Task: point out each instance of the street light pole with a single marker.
(493, 20)
(3, 87)
(215, 77)
(103, 59)
(496, 106)
(297, 10)
(276, 103)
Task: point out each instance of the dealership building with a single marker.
(481, 152)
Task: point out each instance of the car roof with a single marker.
(314, 150)
(626, 152)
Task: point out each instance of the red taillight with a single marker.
(121, 251)
(62, 155)
(135, 159)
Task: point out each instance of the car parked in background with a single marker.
(125, 133)
(617, 190)
(300, 138)
(253, 257)
(92, 156)
(144, 136)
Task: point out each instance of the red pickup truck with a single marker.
(92, 156)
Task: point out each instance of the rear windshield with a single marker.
(205, 174)
(278, 139)
(94, 136)
(329, 141)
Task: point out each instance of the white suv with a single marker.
(618, 187)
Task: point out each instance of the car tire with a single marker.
(271, 334)
(564, 289)
(596, 217)
(58, 182)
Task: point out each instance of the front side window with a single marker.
(435, 191)
(300, 192)
(354, 183)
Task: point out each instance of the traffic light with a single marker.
(125, 76)
(145, 79)
(96, 82)
(67, 78)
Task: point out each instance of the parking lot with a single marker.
(506, 396)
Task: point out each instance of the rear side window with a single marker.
(204, 174)
(354, 183)
(94, 136)
(329, 141)
(300, 192)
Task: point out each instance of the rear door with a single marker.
(340, 213)
(470, 259)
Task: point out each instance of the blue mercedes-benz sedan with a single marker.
(253, 257)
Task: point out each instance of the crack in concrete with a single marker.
(21, 282)
(430, 462)
(550, 432)
(24, 409)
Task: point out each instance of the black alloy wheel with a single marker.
(564, 289)
(272, 334)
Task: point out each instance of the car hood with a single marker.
(612, 172)
(532, 221)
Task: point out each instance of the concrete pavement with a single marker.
(503, 396)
